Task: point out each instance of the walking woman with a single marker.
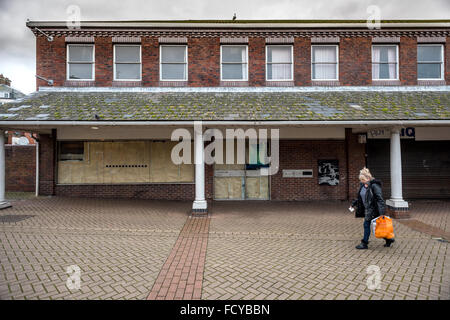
(369, 204)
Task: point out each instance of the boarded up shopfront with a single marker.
(242, 181)
(120, 162)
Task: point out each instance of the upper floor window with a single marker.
(127, 62)
(324, 62)
(430, 61)
(80, 62)
(234, 65)
(385, 62)
(279, 62)
(173, 64)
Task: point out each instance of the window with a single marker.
(80, 62)
(324, 62)
(385, 62)
(430, 62)
(127, 62)
(173, 63)
(234, 63)
(279, 63)
(71, 150)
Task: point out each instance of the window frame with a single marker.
(397, 69)
(292, 61)
(80, 62)
(221, 62)
(114, 61)
(336, 46)
(185, 63)
(434, 62)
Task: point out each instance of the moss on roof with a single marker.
(131, 106)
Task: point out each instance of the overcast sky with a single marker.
(17, 43)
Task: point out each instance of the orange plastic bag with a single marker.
(384, 228)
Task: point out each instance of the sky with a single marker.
(18, 48)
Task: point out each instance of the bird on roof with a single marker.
(96, 117)
(234, 17)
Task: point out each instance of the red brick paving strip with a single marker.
(181, 277)
(425, 228)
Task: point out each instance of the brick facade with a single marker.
(356, 160)
(47, 157)
(130, 191)
(304, 154)
(20, 162)
(355, 58)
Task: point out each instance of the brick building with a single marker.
(110, 95)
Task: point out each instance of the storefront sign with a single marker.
(405, 133)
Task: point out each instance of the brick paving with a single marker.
(307, 251)
(138, 249)
(119, 245)
(181, 277)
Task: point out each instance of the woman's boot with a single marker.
(362, 245)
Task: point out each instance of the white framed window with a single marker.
(385, 62)
(234, 63)
(324, 62)
(127, 62)
(173, 62)
(430, 61)
(80, 62)
(279, 65)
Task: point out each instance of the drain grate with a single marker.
(11, 218)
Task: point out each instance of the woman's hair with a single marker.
(365, 174)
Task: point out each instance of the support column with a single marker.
(3, 203)
(396, 206)
(200, 205)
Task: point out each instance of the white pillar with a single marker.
(396, 200)
(200, 204)
(3, 202)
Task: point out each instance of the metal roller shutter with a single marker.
(426, 167)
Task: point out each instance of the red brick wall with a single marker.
(20, 168)
(204, 62)
(47, 152)
(356, 160)
(150, 61)
(355, 61)
(302, 61)
(304, 154)
(447, 60)
(408, 61)
(130, 191)
(257, 62)
(103, 61)
(50, 60)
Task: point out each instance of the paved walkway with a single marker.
(137, 249)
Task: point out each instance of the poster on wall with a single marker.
(328, 172)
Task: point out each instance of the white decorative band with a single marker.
(126, 39)
(172, 39)
(325, 40)
(80, 39)
(234, 40)
(385, 39)
(280, 40)
(431, 39)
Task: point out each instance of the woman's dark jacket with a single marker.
(374, 201)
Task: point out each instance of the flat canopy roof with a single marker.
(222, 104)
(287, 23)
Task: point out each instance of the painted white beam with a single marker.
(3, 202)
